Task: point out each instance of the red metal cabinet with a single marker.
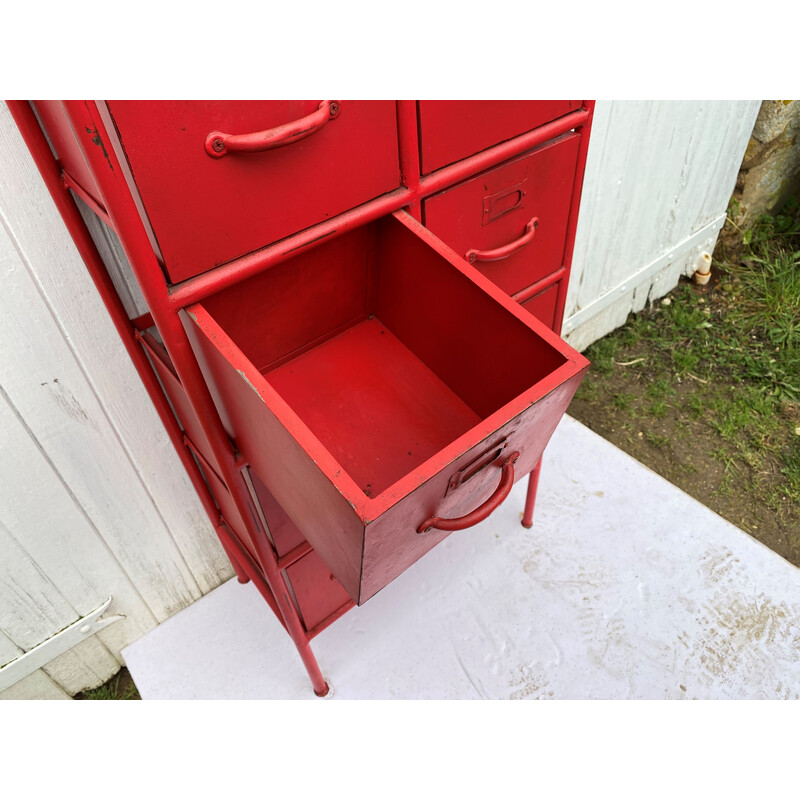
(489, 219)
(450, 130)
(342, 386)
(207, 210)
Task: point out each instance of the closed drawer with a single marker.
(206, 210)
(454, 129)
(544, 305)
(376, 382)
(496, 211)
(315, 591)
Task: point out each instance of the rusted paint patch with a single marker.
(98, 141)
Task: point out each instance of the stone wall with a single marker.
(770, 171)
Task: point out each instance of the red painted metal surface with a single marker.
(340, 439)
(490, 212)
(219, 145)
(72, 184)
(319, 597)
(543, 305)
(530, 499)
(450, 130)
(67, 147)
(500, 253)
(482, 512)
(205, 211)
(202, 286)
(317, 592)
(303, 303)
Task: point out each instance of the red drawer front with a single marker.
(316, 591)
(173, 388)
(282, 531)
(493, 210)
(206, 211)
(454, 129)
(398, 403)
(544, 305)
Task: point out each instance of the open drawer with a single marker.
(384, 390)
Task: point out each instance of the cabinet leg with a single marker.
(295, 627)
(530, 499)
(241, 575)
(269, 580)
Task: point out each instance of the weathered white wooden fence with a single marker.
(659, 175)
(93, 501)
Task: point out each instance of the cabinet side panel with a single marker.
(312, 502)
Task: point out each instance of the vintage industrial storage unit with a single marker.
(353, 313)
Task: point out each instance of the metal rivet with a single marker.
(218, 145)
(85, 628)
(334, 109)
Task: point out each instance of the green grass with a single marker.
(655, 440)
(622, 400)
(120, 687)
(740, 350)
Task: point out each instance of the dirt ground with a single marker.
(682, 442)
(120, 687)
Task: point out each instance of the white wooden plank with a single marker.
(67, 558)
(8, 650)
(58, 644)
(658, 173)
(63, 657)
(31, 609)
(86, 666)
(38, 686)
(685, 252)
(82, 320)
(614, 315)
(46, 385)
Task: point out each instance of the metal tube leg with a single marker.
(530, 499)
(242, 576)
(278, 588)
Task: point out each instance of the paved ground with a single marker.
(625, 588)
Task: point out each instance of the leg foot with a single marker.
(241, 575)
(530, 499)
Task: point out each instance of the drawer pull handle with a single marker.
(483, 510)
(219, 144)
(507, 249)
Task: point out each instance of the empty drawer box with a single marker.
(384, 391)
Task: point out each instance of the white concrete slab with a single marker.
(625, 588)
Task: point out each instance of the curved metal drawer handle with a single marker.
(483, 510)
(507, 249)
(219, 144)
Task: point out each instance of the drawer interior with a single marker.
(384, 349)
